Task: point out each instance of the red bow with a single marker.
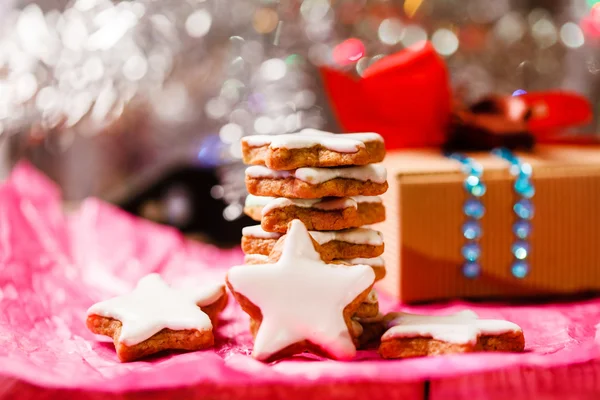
(406, 97)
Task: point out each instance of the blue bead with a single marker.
(526, 170)
(520, 250)
(474, 186)
(471, 251)
(473, 209)
(471, 230)
(522, 229)
(472, 181)
(514, 169)
(529, 193)
(466, 169)
(524, 209)
(478, 190)
(476, 169)
(471, 270)
(520, 269)
(524, 187)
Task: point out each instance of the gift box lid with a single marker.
(406, 163)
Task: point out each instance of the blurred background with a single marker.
(143, 103)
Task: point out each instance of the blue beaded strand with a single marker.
(523, 209)
(474, 210)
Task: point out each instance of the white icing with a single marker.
(372, 172)
(258, 232)
(342, 143)
(332, 203)
(153, 306)
(355, 236)
(259, 171)
(367, 199)
(460, 328)
(372, 262)
(261, 258)
(371, 298)
(301, 297)
(257, 201)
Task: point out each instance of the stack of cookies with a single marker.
(331, 183)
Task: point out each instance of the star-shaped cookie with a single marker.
(411, 335)
(156, 317)
(300, 303)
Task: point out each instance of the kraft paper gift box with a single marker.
(423, 229)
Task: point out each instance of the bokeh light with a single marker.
(265, 20)
(572, 35)
(390, 31)
(444, 41)
(198, 23)
(273, 69)
(348, 52)
(413, 34)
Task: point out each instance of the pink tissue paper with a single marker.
(54, 266)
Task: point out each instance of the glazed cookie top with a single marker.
(258, 232)
(301, 297)
(341, 143)
(153, 306)
(372, 172)
(330, 203)
(355, 236)
(460, 328)
(373, 262)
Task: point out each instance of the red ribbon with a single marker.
(406, 97)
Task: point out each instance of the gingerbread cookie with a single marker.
(255, 240)
(367, 331)
(312, 148)
(317, 214)
(315, 183)
(377, 263)
(301, 303)
(369, 307)
(411, 335)
(345, 244)
(253, 259)
(155, 317)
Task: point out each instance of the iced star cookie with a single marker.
(327, 214)
(411, 335)
(315, 183)
(300, 303)
(312, 148)
(155, 317)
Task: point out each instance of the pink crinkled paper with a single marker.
(53, 267)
